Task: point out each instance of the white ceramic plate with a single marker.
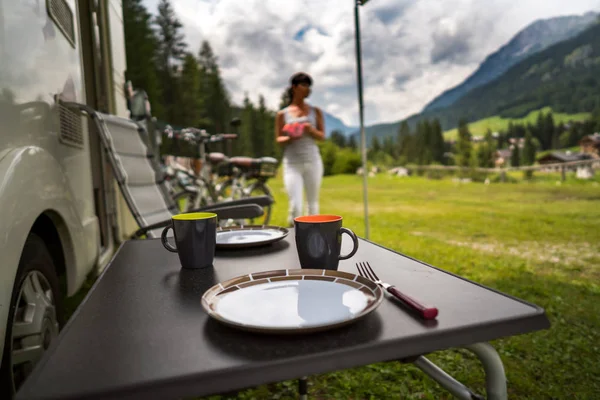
(249, 236)
(292, 301)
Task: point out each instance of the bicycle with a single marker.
(192, 190)
(245, 177)
(196, 188)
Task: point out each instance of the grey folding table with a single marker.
(141, 332)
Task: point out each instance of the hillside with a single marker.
(333, 123)
(564, 76)
(496, 123)
(535, 37)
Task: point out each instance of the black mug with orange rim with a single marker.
(319, 241)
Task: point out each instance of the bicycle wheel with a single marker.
(185, 200)
(227, 190)
(259, 188)
(230, 191)
(192, 197)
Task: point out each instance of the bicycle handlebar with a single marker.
(228, 135)
(201, 136)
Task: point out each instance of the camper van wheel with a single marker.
(35, 315)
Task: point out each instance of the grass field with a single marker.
(479, 128)
(535, 240)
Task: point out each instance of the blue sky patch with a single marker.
(299, 36)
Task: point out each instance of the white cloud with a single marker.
(412, 49)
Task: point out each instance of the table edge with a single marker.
(265, 372)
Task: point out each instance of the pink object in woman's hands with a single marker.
(294, 130)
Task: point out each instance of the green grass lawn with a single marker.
(536, 240)
(480, 127)
(539, 241)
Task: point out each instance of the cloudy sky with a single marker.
(412, 49)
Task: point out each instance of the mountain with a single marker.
(534, 38)
(564, 76)
(333, 123)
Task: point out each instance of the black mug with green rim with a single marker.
(195, 239)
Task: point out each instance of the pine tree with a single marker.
(485, 151)
(574, 134)
(539, 130)
(528, 150)
(528, 156)
(551, 133)
(463, 145)
(437, 141)
(501, 139)
(206, 58)
(491, 148)
(338, 138)
(596, 114)
(243, 144)
(510, 132)
(375, 145)
(171, 50)
(388, 146)
(190, 104)
(401, 141)
(352, 142)
(419, 144)
(426, 150)
(265, 143)
(141, 49)
(515, 157)
(216, 97)
(172, 46)
(220, 108)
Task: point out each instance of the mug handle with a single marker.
(165, 241)
(354, 240)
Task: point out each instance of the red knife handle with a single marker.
(426, 312)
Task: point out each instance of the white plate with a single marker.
(292, 301)
(249, 236)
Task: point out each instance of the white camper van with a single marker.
(60, 211)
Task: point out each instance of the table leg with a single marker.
(303, 388)
(495, 378)
(446, 381)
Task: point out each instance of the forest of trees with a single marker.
(425, 145)
(186, 89)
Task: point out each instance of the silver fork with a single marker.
(426, 312)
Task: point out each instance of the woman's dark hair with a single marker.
(296, 79)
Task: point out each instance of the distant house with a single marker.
(558, 157)
(590, 144)
(502, 157)
(519, 141)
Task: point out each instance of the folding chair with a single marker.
(141, 180)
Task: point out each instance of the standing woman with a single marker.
(297, 129)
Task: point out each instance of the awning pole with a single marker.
(363, 139)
